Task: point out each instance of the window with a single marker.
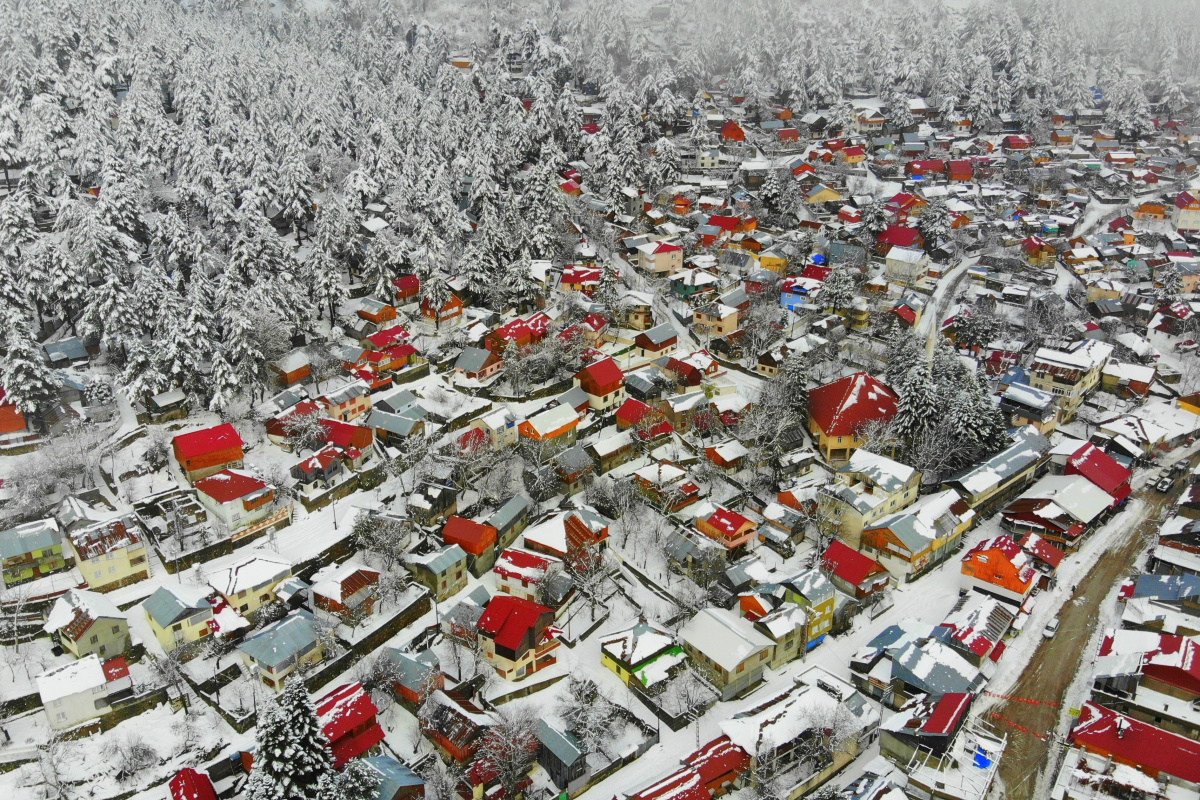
(116, 629)
(94, 639)
(177, 626)
(99, 573)
(243, 606)
(741, 667)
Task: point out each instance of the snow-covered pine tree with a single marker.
(771, 193)
(325, 285)
(838, 290)
(358, 780)
(1170, 282)
(918, 411)
(874, 219)
(291, 755)
(224, 384)
(935, 223)
(28, 381)
(142, 376)
(904, 350)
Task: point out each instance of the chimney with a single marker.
(1122, 725)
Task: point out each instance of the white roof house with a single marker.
(550, 420)
(725, 638)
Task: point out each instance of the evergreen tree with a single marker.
(904, 350)
(28, 381)
(771, 193)
(1171, 283)
(838, 290)
(358, 780)
(325, 284)
(934, 223)
(918, 411)
(874, 220)
(291, 756)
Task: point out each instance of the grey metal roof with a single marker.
(281, 640)
(935, 673)
(166, 608)
(400, 424)
(393, 776)
(471, 359)
(573, 397)
(660, 333)
(506, 515)
(394, 401)
(72, 349)
(411, 670)
(562, 744)
(31, 536)
(573, 459)
(442, 560)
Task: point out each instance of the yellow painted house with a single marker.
(773, 260)
(178, 615)
(110, 554)
(644, 653)
(821, 194)
(813, 592)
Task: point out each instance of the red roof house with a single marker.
(202, 453)
(190, 784)
(1137, 744)
(852, 572)
(1101, 469)
(474, 537)
(898, 236)
(517, 635)
(838, 410)
(347, 718)
(732, 132)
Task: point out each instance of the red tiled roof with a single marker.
(1041, 549)
(474, 537)
(666, 247)
(899, 236)
(342, 710)
(849, 564)
(946, 714)
(115, 669)
(519, 564)
(1131, 741)
(209, 440)
(727, 521)
(228, 485)
(634, 411)
(188, 784)
(605, 373)
(841, 407)
(407, 282)
(1101, 469)
(718, 758)
(905, 313)
(686, 784)
(816, 272)
(1184, 199)
(388, 337)
(507, 619)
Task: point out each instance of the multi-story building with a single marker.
(202, 453)
(249, 584)
(867, 489)
(179, 615)
(517, 636)
(728, 648)
(241, 503)
(84, 622)
(32, 551)
(111, 554)
(276, 651)
(604, 383)
(1071, 374)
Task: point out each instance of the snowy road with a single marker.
(1053, 667)
(945, 292)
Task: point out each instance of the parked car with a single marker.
(1051, 628)
(1164, 484)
